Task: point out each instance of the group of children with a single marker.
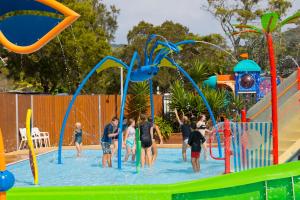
(109, 140)
(193, 135)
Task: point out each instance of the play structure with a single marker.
(246, 145)
(32, 156)
(247, 82)
(160, 55)
(26, 34)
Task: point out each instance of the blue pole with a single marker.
(151, 100)
(150, 38)
(204, 100)
(120, 138)
(62, 130)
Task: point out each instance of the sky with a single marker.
(186, 12)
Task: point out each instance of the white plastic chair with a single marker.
(23, 142)
(42, 137)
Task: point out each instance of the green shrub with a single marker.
(164, 126)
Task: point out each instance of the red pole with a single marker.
(274, 96)
(244, 120)
(227, 145)
(244, 115)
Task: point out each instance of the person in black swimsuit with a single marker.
(146, 135)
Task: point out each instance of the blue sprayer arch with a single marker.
(62, 130)
(151, 63)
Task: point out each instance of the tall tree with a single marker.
(213, 58)
(229, 13)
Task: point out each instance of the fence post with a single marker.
(32, 108)
(17, 120)
(298, 77)
(227, 135)
(244, 115)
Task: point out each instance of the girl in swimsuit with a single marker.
(202, 128)
(156, 132)
(78, 138)
(146, 135)
(129, 140)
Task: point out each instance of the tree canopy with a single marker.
(217, 61)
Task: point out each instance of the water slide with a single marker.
(288, 116)
(274, 182)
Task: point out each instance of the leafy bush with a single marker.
(222, 102)
(164, 126)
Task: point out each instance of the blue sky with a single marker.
(186, 12)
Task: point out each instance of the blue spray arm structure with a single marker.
(185, 42)
(150, 38)
(62, 131)
(168, 45)
(202, 97)
(151, 99)
(120, 138)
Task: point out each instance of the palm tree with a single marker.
(271, 22)
(199, 71)
(138, 101)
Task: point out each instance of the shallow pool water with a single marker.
(169, 168)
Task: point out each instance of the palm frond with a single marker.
(292, 19)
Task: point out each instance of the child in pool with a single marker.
(78, 138)
(129, 140)
(186, 131)
(202, 128)
(196, 139)
(156, 132)
(146, 135)
(110, 131)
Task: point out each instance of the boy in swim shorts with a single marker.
(186, 131)
(195, 140)
(106, 140)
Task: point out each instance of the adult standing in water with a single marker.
(146, 135)
(186, 131)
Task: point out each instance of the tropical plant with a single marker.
(138, 100)
(192, 105)
(199, 71)
(271, 22)
(164, 126)
(216, 99)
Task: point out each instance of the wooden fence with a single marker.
(93, 111)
